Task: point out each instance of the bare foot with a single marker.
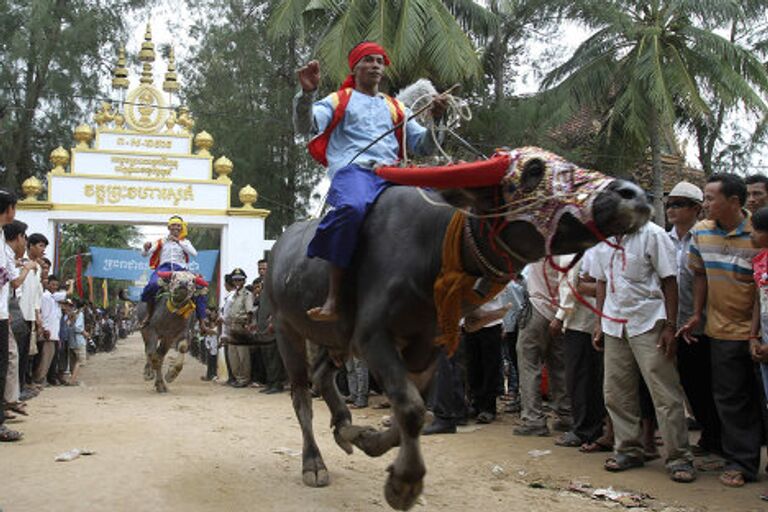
(322, 314)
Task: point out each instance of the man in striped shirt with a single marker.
(720, 256)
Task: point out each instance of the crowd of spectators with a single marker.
(647, 336)
(45, 331)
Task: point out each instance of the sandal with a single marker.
(17, 407)
(569, 440)
(595, 447)
(9, 436)
(8, 416)
(682, 473)
(622, 462)
(732, 478)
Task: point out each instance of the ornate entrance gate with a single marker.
(140, 165)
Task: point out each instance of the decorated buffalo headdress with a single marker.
(560, 186)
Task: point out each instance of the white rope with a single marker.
(456, 112)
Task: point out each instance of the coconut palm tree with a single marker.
(424, 37)
(651, 64)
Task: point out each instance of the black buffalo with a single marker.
(387, 313)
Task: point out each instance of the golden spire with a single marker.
(147, 56)
(120, 74)
(171, 83)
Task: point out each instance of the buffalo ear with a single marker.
(479, 200)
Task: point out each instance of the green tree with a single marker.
(653, 64)
(52, 52)
(240, 86)
(424, 37)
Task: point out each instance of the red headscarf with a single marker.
(358, 52)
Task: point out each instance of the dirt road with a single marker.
(206, 447)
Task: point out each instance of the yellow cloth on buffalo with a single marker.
(184, 310)
(454, 287)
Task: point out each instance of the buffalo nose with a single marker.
(627, 190)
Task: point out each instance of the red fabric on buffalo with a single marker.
(483, 173)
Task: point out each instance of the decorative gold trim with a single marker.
(137, 209)
(142, 104)
(112, 131)
(248, 212)
(134, 208)
(112, 177)
(143, 153)
(36, 205)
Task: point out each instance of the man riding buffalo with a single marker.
(345, 124)
(170, 254)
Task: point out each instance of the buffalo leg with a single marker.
(406, 474)
(157, 365)
(178, 363)
(323, 378)
(294, 354)
(150, 347)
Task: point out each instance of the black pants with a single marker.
(273, 364)
(484, 367)
(22, 342)
(693, 365)
(211, 362)
(509, 353)
(258, 370)
(584, 381)
(231, 377)
(3, 365)
(737, 399)
(447, 396)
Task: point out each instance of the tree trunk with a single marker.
(657, 188)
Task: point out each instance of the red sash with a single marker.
(318, 146)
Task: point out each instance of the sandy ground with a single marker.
(205, 447)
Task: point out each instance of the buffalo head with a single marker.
(180, 285)
(539, 202)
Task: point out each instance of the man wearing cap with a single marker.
(238, 310)
(169, 254)
(344, 124)
(683, 210)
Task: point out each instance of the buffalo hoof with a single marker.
(367, 439)
(315, 474)
(160, 387)
(171, 374)
(344, 444)
(401, 495)
(149, 373)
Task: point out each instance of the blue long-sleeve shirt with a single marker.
(365, 119)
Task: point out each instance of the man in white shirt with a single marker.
(7, 214)
(167, 254)
(537, 347)
(15, 243)
(583, 364)
(50, 315)
(637, 294)
(30, 294)
(483, 348)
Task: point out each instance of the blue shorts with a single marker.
(353, 191)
